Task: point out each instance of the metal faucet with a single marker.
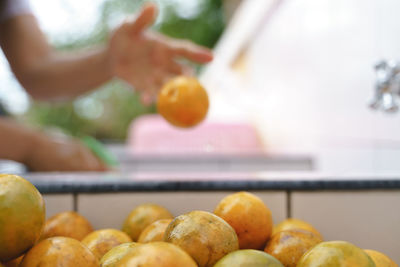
(387, 87)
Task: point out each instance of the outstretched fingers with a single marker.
(191, 51)
(144, 19)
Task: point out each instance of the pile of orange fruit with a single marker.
(239, 232)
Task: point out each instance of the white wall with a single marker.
(309, 77)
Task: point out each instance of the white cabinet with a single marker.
(58, 203)
(110, 209)
(368, 219)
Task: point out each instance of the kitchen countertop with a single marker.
(211, 172)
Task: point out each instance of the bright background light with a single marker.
(58, 19)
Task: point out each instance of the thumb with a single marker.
(144, 19)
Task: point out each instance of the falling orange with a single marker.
(183, 102)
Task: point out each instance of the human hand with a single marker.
(61, 153)
(146, 59)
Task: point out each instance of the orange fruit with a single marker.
(68, 224)
(22, 216)
(14, 262)
(101, 241)
(288, 246)
(249, 216)
(380, 259)
(334, 254)
(154, 232)
(183, 101)
(59, 251)
(205, 236)
(142, 216)
(157, 254)
(112, 257)
(293, 223)
(248, 257)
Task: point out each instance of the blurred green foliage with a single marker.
(107, 112)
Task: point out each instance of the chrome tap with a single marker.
(387, 87)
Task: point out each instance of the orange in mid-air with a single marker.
(183, 102)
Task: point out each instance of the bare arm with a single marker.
(44, 73)
(43, 152)
(15, 140)
(142, 58)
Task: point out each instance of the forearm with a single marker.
(43, 152)
(16, 141)
(62, 76)
(47, 74)
(143, 59)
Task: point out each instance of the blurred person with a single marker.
(143, 58)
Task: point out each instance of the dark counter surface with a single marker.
(52, 183)
(213, 172)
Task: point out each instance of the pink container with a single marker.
(152, 135)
